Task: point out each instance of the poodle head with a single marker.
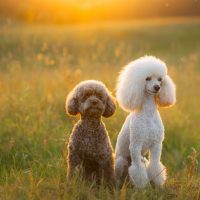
(90, 99)
(145, 76)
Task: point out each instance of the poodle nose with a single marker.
(94, 101)
(156, 88)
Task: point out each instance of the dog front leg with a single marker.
(156, 170)
(107, 172)
(121, 170)
(72, 162)
(137, 170)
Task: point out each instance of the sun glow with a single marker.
(82, 10)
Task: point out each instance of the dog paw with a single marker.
(138, 175)
(157, 173)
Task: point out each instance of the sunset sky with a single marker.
(92, 10)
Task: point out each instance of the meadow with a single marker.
(40, 64)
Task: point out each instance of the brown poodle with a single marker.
(89, 144)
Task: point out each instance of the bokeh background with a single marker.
(79, 11)
(47, 47)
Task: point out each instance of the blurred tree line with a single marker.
(64, 11)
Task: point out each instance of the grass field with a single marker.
(40, 64)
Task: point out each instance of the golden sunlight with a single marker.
(76, 11)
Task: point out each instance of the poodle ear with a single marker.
(167, 95)
(130, 90)
(110, 106)
(71, 104)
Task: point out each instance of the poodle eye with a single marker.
(148, 78)
(99, 96)
(85, 97)
(159, 79)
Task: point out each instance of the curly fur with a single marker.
(143, 85)
(89, 144)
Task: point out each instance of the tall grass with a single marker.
(40, 64)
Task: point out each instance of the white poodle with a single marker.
(143, 85)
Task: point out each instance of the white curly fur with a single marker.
(143, 85)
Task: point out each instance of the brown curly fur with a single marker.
(89, 144)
